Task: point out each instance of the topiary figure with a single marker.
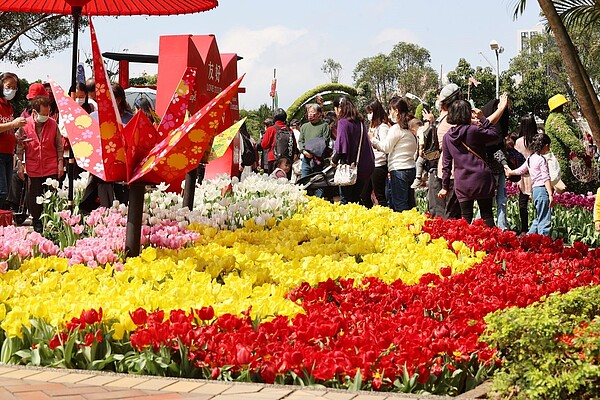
(327, 92)
(567, 145)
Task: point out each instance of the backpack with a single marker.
(431, 148)
(284, 143)
(248, 155)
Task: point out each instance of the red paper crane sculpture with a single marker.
(139, 153)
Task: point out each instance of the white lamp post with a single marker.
(497, 49)
(413, 97)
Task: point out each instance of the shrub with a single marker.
(549, 350)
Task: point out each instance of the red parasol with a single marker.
(110, 7)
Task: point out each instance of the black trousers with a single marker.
(485, 209)
(523, 212)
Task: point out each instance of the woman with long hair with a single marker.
(351, 145)
(400, 144)
(378, 129)
(527, 132)
(463, 148)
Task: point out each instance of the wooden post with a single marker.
(133, 233)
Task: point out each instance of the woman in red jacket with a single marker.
(41, 143)
(9, 92)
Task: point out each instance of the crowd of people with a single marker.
(473, 153)
(475, 158)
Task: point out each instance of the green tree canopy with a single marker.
(380, 73)
(415, 75)
(255, 119)
(480, 94)
(405, 69)
(25, 37)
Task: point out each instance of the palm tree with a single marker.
(573, 12)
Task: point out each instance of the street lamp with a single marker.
(497, 49)
(414, 97)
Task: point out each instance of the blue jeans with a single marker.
(6, 170)
(306, 169)
(403, 197)
(543, 216)
(501, 199)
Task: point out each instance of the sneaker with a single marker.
(416, 183)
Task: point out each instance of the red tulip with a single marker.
(139, 317)
(206, 313)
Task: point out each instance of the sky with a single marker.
(296, 37)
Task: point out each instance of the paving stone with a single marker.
(271, 393)
(212, 388)
(34, 387)
(183, 386)
(75, 390)
(100, 380)
(339, 395)
(33, 396)
(5, 370)
(46, 376)
(238, 389)
(6, 395)
(117, 394)
(20, 373)
(128, 382)
(154, 384)
(163, 396)
(73, 378)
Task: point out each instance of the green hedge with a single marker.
(327, 91)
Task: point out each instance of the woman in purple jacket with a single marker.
(348, 144)
(464, 147)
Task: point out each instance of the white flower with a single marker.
(39, 200)
(162, 187)
(51, 183)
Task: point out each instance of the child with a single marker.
(283, 167)
(417, 128)
(513, 157)
(542, 191)
(597, 211)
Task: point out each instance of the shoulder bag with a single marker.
(346, 174)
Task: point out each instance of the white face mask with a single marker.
(9, 94)
(392, 118)
(80, 100)
(370, 116)
(40, 118)
(438, 105)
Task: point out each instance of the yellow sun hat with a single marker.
(556, 101)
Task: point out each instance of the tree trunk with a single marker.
(588, 100)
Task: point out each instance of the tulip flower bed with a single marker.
(271, 287)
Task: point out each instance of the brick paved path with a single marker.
(26, 383)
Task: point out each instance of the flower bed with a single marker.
(287, 291)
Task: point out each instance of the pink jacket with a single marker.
(41, 154)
